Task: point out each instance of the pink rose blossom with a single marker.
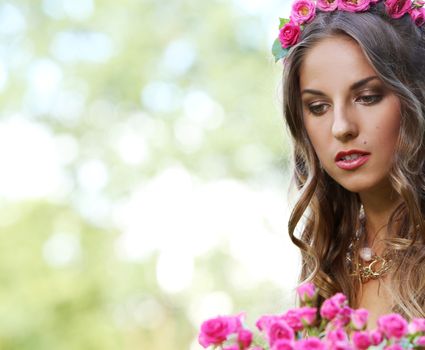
(420, 341)
(286, 331)
(311, 343)
(216, 330)
(264, 322)
(306, 292)
(332, 306)
(392, 326)
(303, 11)
(327, 5)
(244, 338)
(283, 344)
(417, 325)
(418, 16)
(397, 8)
(337, 339)
(343, 318)
(308, 315)
(289, 34)
(336, 335)
(296, 318)
(341, 346)
(293, 319)
(359, 318)
(376, 337)
(353, 5)
(279, 330)
(394, 347)
(362, 340)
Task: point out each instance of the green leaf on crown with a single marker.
(283, 21)
(278, 51)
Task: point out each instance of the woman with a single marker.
(354, 103)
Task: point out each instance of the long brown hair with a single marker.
(395, 48)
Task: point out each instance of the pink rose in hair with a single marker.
(417, 325)
(392, 326)
(244, 338)
(311, 343)
(353, 5)
(231, 347)
(418, 16)
(303, 11)
(359, 318)
(362, 340)
(289, 34)
(283, 344)
(306, 292)
(279, 330)
(327, 5)
(332, 306)
(216, 330)
(397, 8)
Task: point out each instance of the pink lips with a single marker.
(351, 164)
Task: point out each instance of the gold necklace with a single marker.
(366, 265)
(372, 269)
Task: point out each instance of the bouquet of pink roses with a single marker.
(340, 328)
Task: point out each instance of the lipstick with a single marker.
(352, 159)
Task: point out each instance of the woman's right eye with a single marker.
(317, 109)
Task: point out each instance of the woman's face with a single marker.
(347, 111)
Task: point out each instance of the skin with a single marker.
(366, 118)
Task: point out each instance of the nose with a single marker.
(345, 126)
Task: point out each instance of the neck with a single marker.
(378, 207)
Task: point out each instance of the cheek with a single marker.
(388, 134)
(318, 140)
(389, 146)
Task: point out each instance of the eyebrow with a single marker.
(353, 87)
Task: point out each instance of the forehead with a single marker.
(333, 64)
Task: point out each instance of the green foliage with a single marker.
(278, 51)
(96, 299)
(283, 21)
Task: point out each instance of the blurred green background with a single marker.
(144, 171)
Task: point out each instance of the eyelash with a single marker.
(375, 99)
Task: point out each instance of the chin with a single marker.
(356, 189)
(362, 186)
(358, 183)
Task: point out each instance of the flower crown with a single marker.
(304, 11)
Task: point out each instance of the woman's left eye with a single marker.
(370, 99)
